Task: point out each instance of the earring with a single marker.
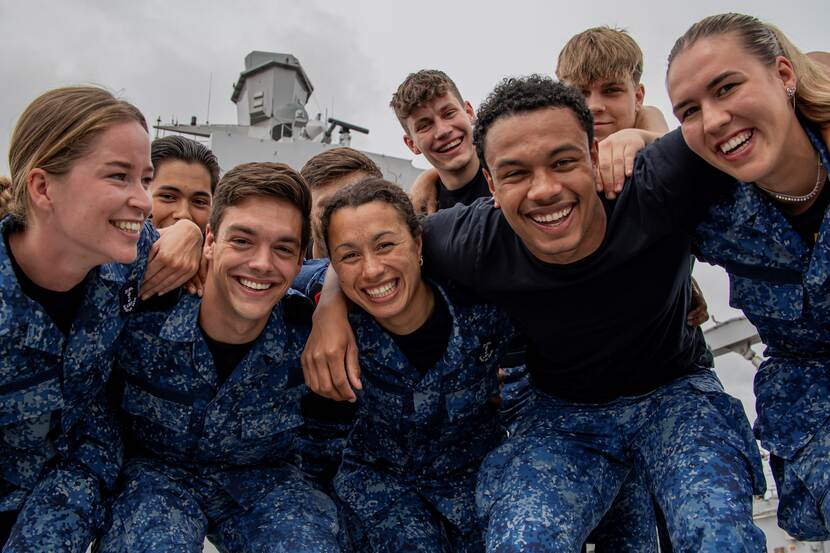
(421, 260)
(791, 94)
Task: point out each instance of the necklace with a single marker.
(788, 198)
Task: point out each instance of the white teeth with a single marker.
(450, 146)
(127, 226)
(736, 141)
(555, 216)
(382, 290)
(254, 285)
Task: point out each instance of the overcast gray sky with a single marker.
(161, 54)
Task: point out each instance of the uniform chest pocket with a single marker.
(383, 400)
(167, 413)
(273, 417)
(468, 400)
(27, 397)
(766, 298)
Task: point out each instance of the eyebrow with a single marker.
(555, 152)
(712, 84)
(126, 165)
(375, 238)
(236, 227)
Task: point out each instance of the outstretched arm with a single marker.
(329, 360)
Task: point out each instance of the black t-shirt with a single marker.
(427, 345)
(62, 307)
(467, 194)
(226, 357)
(614, 323)
(807, 224)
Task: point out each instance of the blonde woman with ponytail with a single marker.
(73, 252)
(751, 104)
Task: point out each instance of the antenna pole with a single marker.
(210, 86)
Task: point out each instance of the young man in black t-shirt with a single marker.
(601, 289)
(438, 123)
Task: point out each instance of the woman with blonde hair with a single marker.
(74, 250)
(751, 104)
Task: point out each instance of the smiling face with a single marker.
(253, 258)
(614, 103)
(442, 131)
(180, 190)
(97, 209)
(377, 260)
(319, 195)
(734, 110)
(541, 172)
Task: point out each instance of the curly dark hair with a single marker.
(368, 191)
(517, 95)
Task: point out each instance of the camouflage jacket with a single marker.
(176, 412)
(426, 433)
(55, 423)
(783, 287)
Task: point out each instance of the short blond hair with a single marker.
(56, 130)
(600, 54)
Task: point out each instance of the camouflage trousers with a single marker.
(551, 482)
(413, 524)
(159, 512)
(803, 484)
(629, 524)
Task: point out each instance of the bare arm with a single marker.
(330, 364)
(174, 258)
(424, 192)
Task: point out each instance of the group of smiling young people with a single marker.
(136, 417)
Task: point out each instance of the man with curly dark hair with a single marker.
(601, 289)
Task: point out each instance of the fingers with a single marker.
(170, 275)
(353, 366)
(607, 168)
(324, 376)
(697, 316)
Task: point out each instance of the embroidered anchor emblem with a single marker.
(129, 297)
(487, 352)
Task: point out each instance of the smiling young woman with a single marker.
(74, 249)
(752, 105)
(429, 361)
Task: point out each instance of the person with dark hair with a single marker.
(211, 392)
(429, 356)
(186, 172)
(325, 174)
(74, 250)
(752, 105)
(600, 287)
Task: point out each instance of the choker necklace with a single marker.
(788, 198)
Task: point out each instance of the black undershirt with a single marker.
(226, 357)
(427, 345)
(807, 224)
(613, 323)
(62, 307)
(467, 194)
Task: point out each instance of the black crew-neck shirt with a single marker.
(226, 357)
(614, 323)
(467, 194)
(427, 345)
(62, 307)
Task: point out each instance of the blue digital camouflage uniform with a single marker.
(211, 459)
(410, 466)
(59, 444)
(783, 287)
(688, 439)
